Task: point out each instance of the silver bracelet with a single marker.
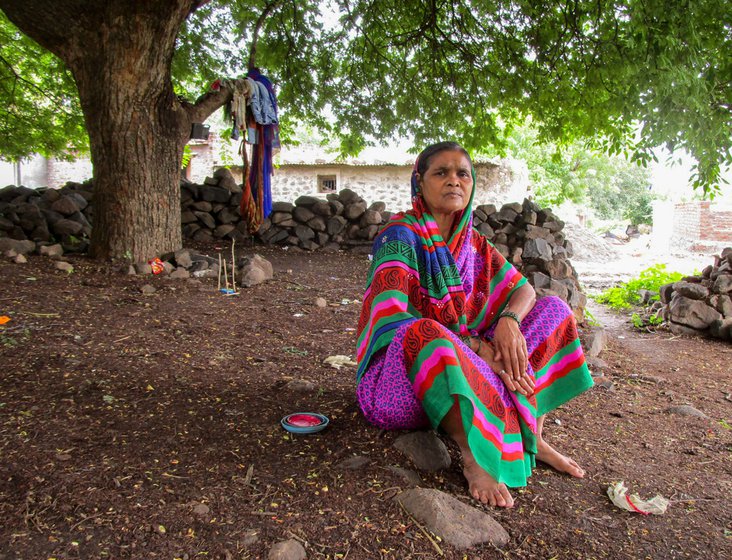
(510, 315)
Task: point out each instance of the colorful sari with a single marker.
(423, 293)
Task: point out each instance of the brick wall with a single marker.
(701, 225)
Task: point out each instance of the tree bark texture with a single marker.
(120, 55)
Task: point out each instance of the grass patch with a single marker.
(626, 294)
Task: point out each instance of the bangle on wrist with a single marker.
(510, 315)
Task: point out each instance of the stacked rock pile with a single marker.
(246, 271)
(531, 238)
(211, 211)
(342, 220)
(702, 305)
(47, 214)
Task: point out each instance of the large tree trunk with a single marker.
(136, 140)
(120, 54)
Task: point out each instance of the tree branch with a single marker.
(207, 104)
(195, 4)
(257, 27)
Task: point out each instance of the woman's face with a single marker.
(447, 183)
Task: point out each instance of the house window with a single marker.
(327, 183)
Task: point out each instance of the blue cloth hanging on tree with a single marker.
(266, 140)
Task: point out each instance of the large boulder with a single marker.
(691, 290)
(453, 521)
(692, 313)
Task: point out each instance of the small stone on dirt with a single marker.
(425, 449)
(321, 302)
(596, 365)
(180, 273)
(147, 289)
(687, 410)
(604, 383)
(650, 378)
(201, 509)
(64, 266)
(456, 523)
(354, 463)
(408, 476)
(595, 342)
(20, 259)
(301, 386)
(287, 550)
(51, 250)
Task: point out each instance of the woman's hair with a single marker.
(423, 160)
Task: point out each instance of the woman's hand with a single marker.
(510, 346)
(524, 384)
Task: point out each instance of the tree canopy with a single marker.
(39, 104)
(628, 75)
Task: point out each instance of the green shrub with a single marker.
(626, 294)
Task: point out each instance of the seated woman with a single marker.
(451, 335)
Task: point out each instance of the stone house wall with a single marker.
(496, 183)
(204, 158)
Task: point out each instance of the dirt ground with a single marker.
(147, 426)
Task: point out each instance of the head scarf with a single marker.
(463, 223)
(414, 274)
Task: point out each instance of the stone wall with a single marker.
(527, 235)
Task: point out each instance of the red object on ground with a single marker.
(156, 265)
(304, 420)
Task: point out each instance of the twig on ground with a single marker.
(87, 518)
(423, 530)
(298, 284)
(248, 476)
(41, 314)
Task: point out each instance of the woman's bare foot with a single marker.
(483, 486)
(547, 454)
